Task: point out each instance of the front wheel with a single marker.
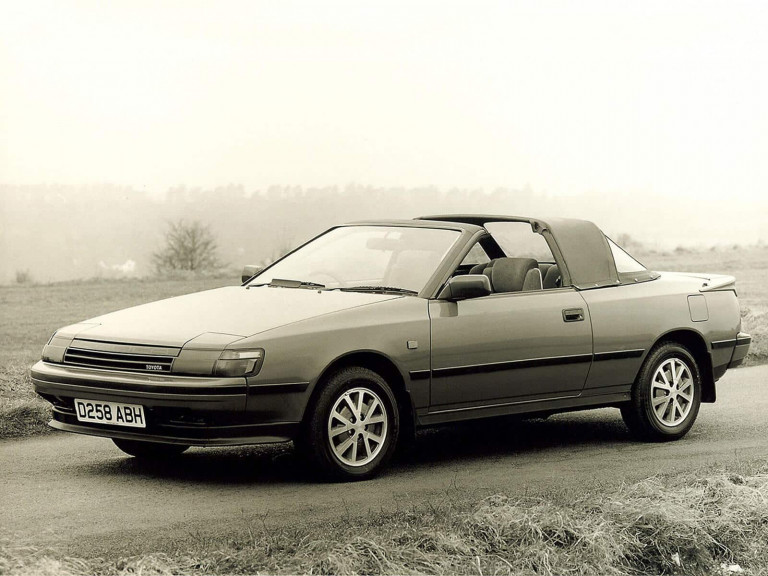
(149, 450)
(352, 431)
(666, 396)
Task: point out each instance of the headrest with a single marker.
(533, 280)
(508, 274)
(479, 268)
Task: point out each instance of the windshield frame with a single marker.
(432, 284)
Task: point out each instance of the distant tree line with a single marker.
(59, 232)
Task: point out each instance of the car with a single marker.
(374, 329)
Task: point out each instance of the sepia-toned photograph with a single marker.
(366, 287)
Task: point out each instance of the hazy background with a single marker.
(272, 120)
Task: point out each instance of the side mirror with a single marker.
(467, 286)
(249, 272)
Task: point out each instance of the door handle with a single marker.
(573, 315)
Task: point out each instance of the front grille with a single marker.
(113, 356)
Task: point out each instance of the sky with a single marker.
(628, 98)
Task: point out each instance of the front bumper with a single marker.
(189, 410)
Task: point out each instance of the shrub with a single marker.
(23, 277)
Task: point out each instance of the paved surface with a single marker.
(83, 497)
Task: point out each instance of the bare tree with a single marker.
(188, 246)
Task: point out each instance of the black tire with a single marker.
(351, 452)
(149, 450)
(675, 408)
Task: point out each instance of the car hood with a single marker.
(233, 311)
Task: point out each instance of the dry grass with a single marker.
(754, 321)
(22, 412)
(698, 523)
(16, 559)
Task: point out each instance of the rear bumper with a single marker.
(740, 350)
(190, 410)
(729, 353)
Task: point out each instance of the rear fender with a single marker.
(696, 344)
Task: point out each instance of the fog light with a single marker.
(234, 363)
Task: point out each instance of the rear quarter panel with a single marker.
(636, 316)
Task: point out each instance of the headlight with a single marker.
(45, 354)
(54, 350)
(239, 363)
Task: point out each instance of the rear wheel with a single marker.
(142, 449)
(666, 396)
(352, 431)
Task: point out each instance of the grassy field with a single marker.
(708, 521)
(30, 314)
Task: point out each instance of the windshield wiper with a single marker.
(282, 283)
(381, 289)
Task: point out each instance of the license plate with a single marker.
(110, 413)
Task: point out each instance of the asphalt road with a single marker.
(82, 496)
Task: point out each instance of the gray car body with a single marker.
(504, 353)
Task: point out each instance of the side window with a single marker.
(625, 264)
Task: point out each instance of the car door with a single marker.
(509, 347)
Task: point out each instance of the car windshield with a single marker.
(364, 258)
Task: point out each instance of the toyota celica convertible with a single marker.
(374, 329)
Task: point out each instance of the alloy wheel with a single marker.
(672, 392)
(357, 426)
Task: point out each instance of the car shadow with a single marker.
(434, 446)
(510, 436)
(260, 464)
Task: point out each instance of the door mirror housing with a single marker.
(466, 286)
(249, 272)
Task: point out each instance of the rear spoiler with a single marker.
(719, 282)
(711, 282)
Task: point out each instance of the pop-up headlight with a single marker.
(233, 363)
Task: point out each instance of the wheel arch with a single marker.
(695, 342)
(380, 363)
